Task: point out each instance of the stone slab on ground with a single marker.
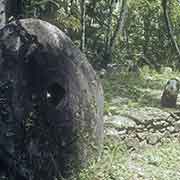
(146, 125)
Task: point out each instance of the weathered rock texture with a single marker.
(51, 103)
(144, 126)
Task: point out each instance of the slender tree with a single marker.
(111, 36)
(165, 4)
(120, 22)
(83, 25)
(107, 49)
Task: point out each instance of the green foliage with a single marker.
(144, 41)
(111, 166)
(40, 8)
(117, 163)
(141, 90)
(107, 108)
(147, 162)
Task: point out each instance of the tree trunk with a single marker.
(2, 13)
(111, 37)
(120, 22)
(107, 49)
(8, 9)
(51, 104)
(126, 39)
(83, 25)
(169, 26)
(147, 36)
(14, 8)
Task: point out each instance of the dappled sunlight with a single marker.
(143, 135)
(144, 90)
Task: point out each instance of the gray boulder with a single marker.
(51, 103)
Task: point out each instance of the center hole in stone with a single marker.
(55, 93)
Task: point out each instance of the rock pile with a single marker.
(144, 126)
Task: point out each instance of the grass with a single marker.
(117, 163)
(160, 162)
(143, 90)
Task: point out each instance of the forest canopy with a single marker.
(115, 31)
